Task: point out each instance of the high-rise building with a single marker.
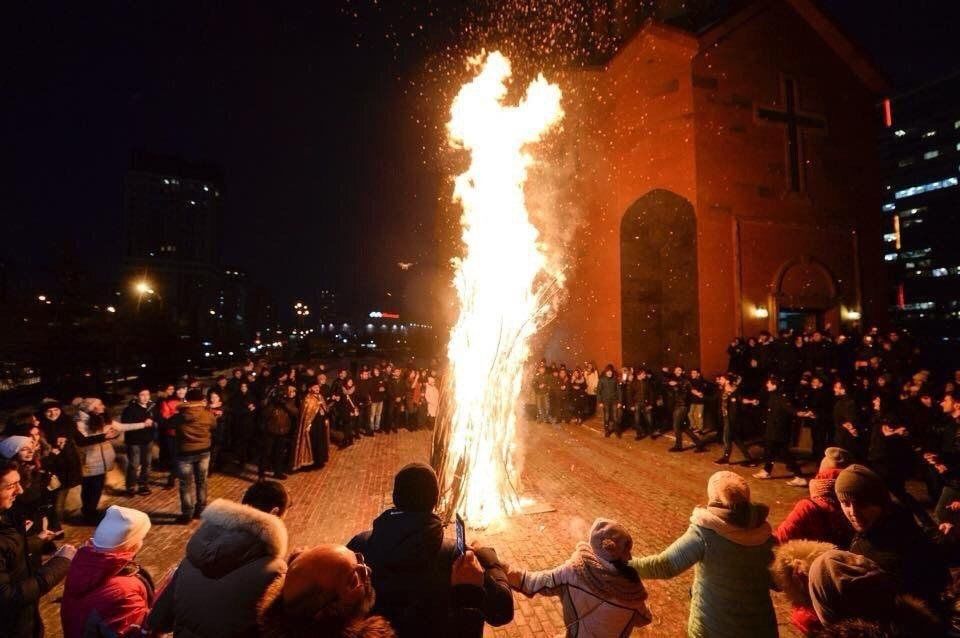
(920, 146)
(172, 213)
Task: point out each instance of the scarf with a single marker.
(745, 525)
(602, 578)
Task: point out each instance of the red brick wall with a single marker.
(662, 115)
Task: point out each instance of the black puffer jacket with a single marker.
(231, 561)
(66, 464)
(21, 586)
(411, 563)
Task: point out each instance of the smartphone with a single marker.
(461, 537)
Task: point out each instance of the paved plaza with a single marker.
(572, 468)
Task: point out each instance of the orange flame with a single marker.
(499, 284)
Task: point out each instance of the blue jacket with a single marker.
(730, 596)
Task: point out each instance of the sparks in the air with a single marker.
(500, 283)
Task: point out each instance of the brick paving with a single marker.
(572, 468)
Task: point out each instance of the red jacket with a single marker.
(108, 583)
(817, 518)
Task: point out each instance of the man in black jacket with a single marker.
(779, 421)
(678, 389)
(139, 442)
(22, 585)
(412, 562)
(393, 406)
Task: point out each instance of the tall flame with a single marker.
(501, 288)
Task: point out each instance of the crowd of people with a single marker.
(859, 555)
(271, 420)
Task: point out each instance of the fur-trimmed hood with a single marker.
(232, 535)
(719, 519)
(274, 623)
(790, 566)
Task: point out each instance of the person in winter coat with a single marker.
(34, 481)
(578, 396)
(236, 554)
(431, 395)
(175, 395)
(679, 392)
(601, 594)
(279, 417)
(779, 422)
(541, 392)
(847, 433)
(819, 517)
(140, 442)
(327, 593)
(729, 542)
(789, 570)
(853, 596)
(64, 460)
(731, 420)
(94, 431)
(106, 590)
(378, 395)
(888, 535)
(348, 412)
(22, 584)
(412, 562)
(243, 417)
(194, 425)
(393, 404)
(607, 397)
(592, 378)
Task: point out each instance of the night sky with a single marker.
(313, 110)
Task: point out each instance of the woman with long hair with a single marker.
(95, 429)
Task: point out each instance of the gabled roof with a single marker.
(843, 46)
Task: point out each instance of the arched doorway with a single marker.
(658, 281)
(805, 295)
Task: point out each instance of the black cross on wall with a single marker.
(794, 120)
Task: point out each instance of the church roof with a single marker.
(826, 28)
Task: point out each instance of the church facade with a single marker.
(730, 184)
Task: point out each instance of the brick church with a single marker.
(729, 177)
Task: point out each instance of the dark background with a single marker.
(325, 116)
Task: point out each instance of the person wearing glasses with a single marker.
(22, 583)
(328, 591)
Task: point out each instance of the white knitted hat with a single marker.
(10, 446)
(121, 526)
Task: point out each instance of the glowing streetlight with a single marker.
(111, 309)
(142, 287)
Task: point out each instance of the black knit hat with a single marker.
(415, 488)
